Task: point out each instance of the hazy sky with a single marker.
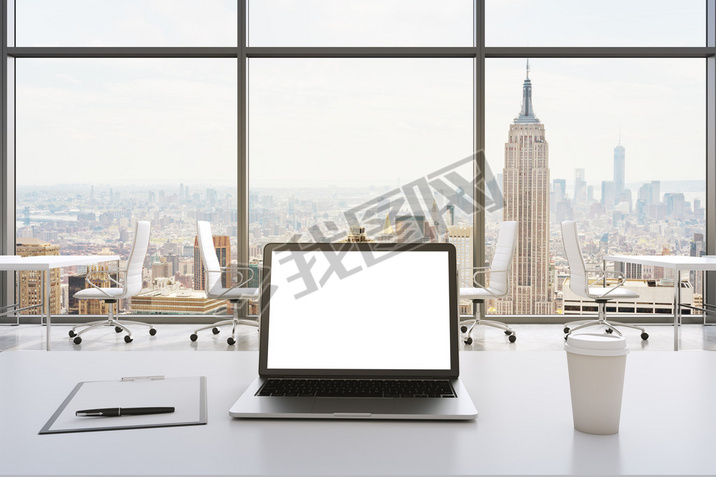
(351, 121)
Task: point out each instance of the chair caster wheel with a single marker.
(468, 341)
(215, 331)
(463, 329)
(513, 338)
(152, 331)
(117, 329)
(77, 340)
(127, 339)
(566, 330)
(609, 331)
(72, 333)
(231, 341)
(193, 337)
(645, 336)
(508, 332)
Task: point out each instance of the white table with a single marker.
(673, 262)
(44, 264)
(524, 425)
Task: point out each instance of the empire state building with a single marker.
(526, 194)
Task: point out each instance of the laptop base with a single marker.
(294, 407)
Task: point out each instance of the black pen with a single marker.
(123, 411)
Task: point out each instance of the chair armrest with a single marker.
(108, 276)
(477, 272)
(241, 272)
(602, 276)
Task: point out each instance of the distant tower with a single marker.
(222, 245)
(619, 166)
(527, 193)
(580, 187)
(31, 291)
(410, 228)
(461, 237)
(608, 194)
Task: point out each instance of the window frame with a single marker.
(242, 52)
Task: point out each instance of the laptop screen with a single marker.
(359, 309)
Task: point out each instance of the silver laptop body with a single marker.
(358, 311)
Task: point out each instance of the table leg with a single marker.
(677, 308)
(46, 301)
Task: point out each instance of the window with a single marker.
(606, 23)
(338, 143)
(305, 119)
(611, 131)
(136, 23)
(360, 23)
(102, 143)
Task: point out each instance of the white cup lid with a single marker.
(593, 344)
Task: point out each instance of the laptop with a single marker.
(358, 331)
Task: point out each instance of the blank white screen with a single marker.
(394, 314)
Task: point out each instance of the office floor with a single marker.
(176, 338)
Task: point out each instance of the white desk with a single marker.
(46, 263)
(524, 426)
(676, 263)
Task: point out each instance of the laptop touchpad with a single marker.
(349, 405)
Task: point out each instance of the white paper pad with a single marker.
(186, 394)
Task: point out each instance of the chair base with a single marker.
(119, 326)
(512, 336)
(602, 321)
(235, 321)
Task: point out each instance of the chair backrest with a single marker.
(135, 262)
(578, 281)
(502, 259)
(212, 268)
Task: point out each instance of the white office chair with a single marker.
(496, 279)
(581, 284)
(128, 281)
(214, 288)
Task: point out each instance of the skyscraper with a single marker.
(609, 196)
(526, 191)
(580, 188)
(619, 166)
(31, 282)
(222, 245)
(559, 191)
(461, 237)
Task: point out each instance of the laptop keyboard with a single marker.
(404, 388)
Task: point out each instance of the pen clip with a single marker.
(142, 378)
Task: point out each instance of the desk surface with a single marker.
(668, 261)
(524, 426)
(46, 262)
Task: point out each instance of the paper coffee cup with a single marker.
(596, 364)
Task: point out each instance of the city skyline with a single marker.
(655, 219)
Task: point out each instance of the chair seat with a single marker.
(619, 293)
(234, 293)
(101, 294)
(479, 293)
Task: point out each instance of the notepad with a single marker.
(186, 394)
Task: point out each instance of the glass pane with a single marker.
(360, 150)
(603, 23)
(104, 143)
(360, 23)
(618, 145)
(126, 23)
